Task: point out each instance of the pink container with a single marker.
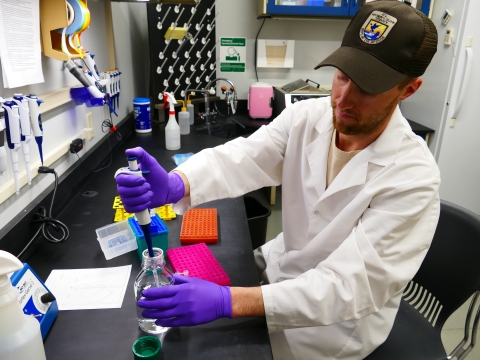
(260, 101)
(199, 261)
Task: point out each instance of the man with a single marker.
(362, 195)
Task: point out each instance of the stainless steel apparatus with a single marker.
(298, 90)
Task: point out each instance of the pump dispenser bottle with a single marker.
(20, 336)
(172, 130)
(184, 120)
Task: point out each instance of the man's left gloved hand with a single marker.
(191, 301)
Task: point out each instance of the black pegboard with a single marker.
(176, 74)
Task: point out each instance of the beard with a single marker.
(363, 125)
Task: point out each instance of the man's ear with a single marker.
(411, 88)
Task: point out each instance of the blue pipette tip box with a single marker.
(159, 234)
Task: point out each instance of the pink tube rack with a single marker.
(199, 261)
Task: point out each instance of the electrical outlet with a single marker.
(449, 36)
(88, 132)
(90, 120)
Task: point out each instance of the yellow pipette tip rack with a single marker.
(121, 215)
(117, 203)
(165, 212)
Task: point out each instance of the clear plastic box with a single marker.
(116, 239)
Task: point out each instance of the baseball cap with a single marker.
(386, 41)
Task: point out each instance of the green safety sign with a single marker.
(232, 67)
(233, 42)
(233, 53)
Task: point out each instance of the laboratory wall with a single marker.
(68, 120)
(314, 40)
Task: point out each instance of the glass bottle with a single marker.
(154, 273)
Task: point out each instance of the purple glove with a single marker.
(154, 189)
(191, 301)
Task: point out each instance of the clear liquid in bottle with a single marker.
(154, 273)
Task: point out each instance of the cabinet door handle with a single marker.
(466, 76)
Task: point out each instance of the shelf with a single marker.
(53, 16)
(346, 10)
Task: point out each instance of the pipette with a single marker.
(94, 90)
(90, 64)
(36, 121)
(89, 76)
(3, 152)
(26, 131)
(143, 217)
(118, 88)
(113, 87)
(75, 71)
(12, 125)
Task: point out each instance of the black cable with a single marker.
(103, 168)
(107, 126)
(47, 220)
(256, 38)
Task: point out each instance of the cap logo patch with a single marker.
(377, 27)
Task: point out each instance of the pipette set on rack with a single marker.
(108, 83)
(62, 25)
(20, 120)
(187, 55)
(99, 89)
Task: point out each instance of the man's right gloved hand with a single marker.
(154, 189)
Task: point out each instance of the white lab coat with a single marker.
(346, 253)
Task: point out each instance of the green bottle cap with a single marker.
(147, 348)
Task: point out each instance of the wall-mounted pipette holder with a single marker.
(81, 95)
(34, 298)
